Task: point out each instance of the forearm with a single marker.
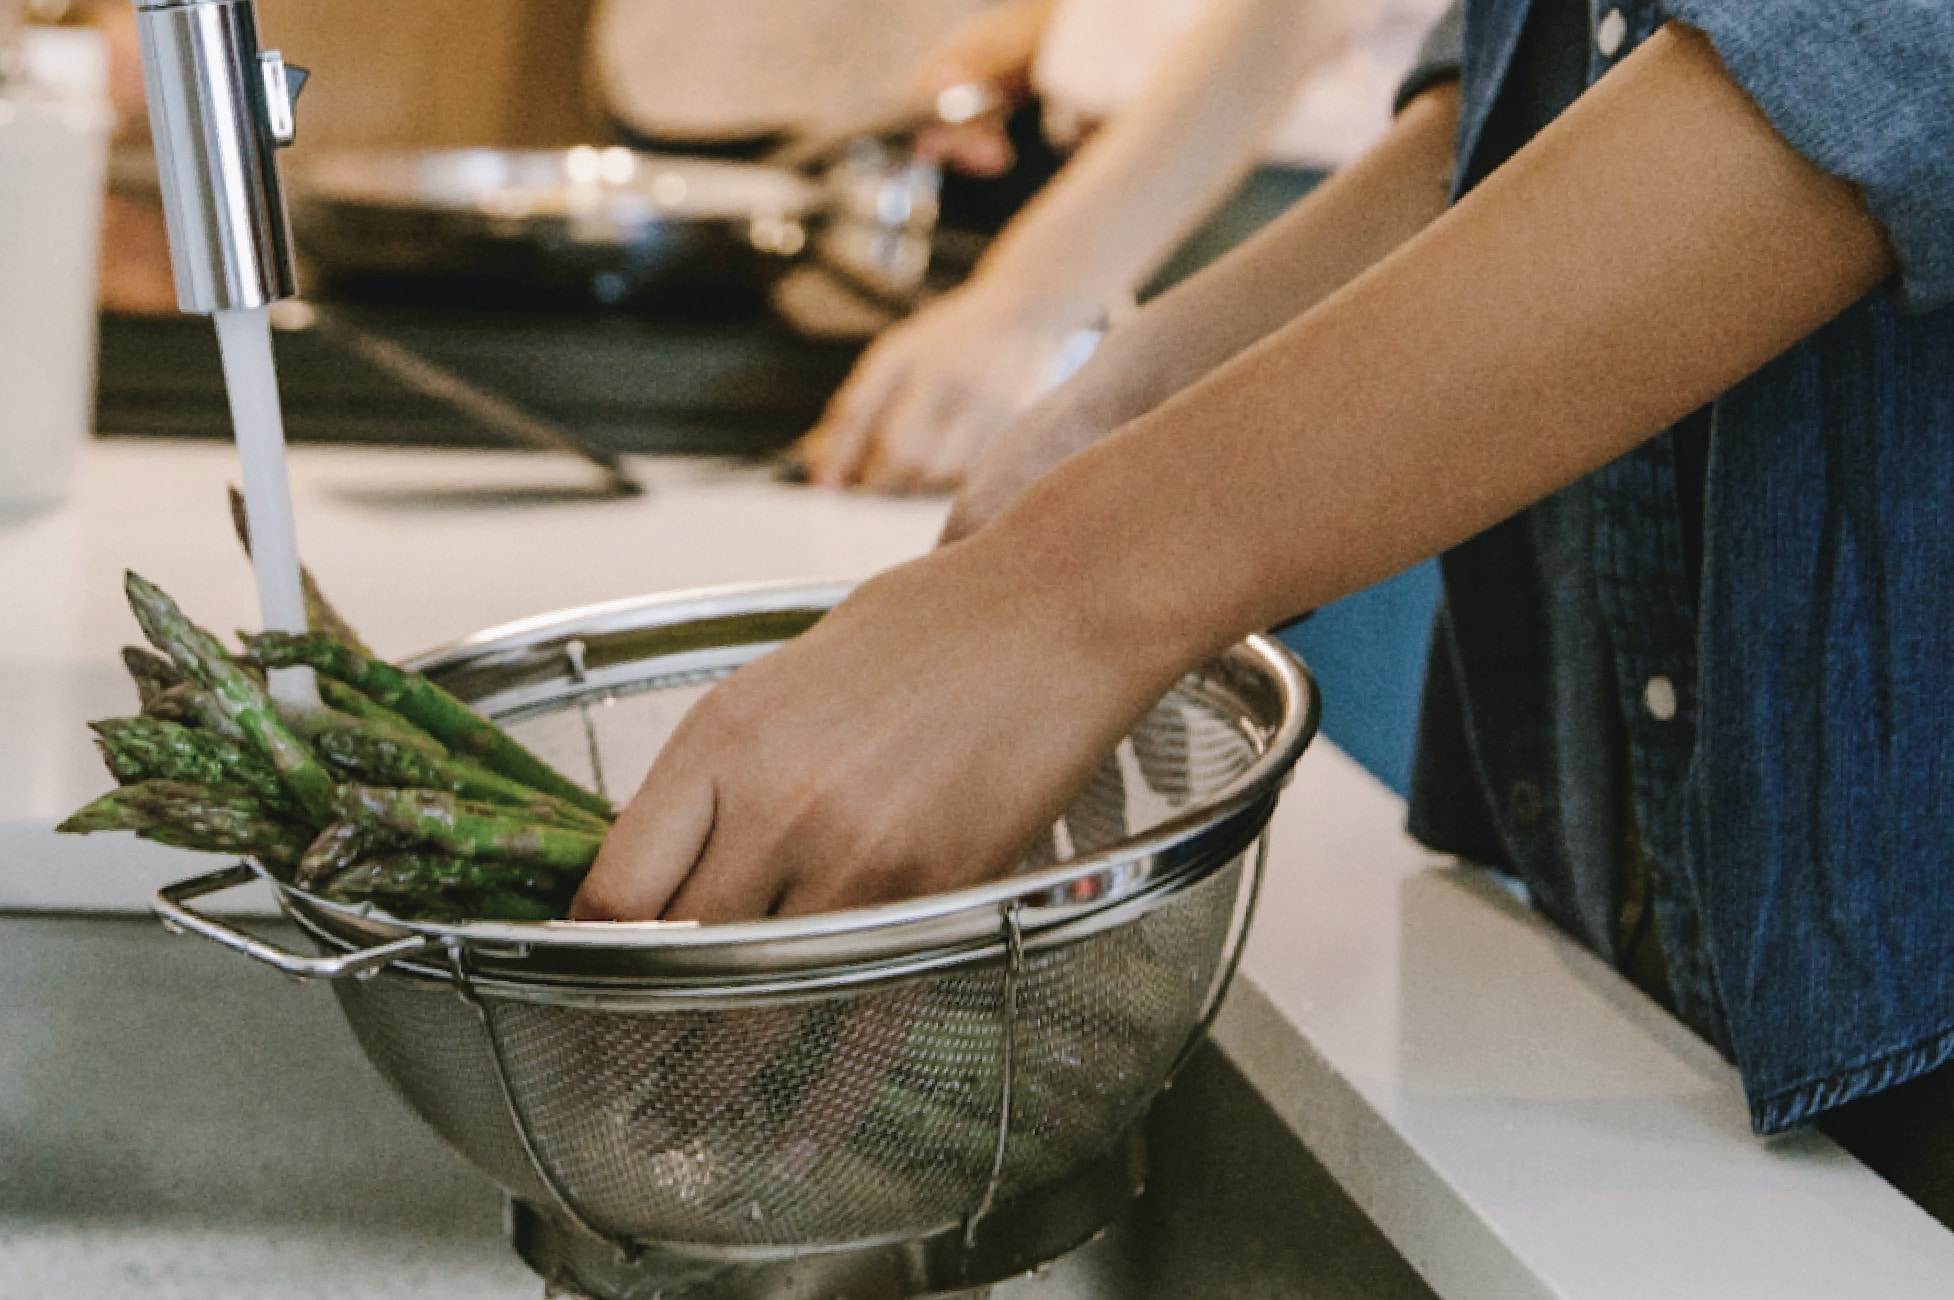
(1145, 181)
(1656, 245)
(1343, 228)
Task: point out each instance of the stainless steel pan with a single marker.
(618, 225)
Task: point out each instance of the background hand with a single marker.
(930, 396)
(997, 47)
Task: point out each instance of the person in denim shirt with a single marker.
(1671, 387)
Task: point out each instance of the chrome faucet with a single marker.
(219, 110)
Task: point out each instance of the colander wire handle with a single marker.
(1231, 960)
(171, 903)
(518, 1121)
(1008, 1047)
(573, 653)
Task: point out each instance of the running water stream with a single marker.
(244, 339)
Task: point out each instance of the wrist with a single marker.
(1034, 284)
(1091, 577)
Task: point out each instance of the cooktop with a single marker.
(733, 382)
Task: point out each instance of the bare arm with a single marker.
(1149, 177)
(1656, 245)
(1347, 225)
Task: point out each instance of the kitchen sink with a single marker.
(175, 1123)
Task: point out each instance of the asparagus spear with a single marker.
(466, 829)
(333, 851)
(431, 885)
(214, 819)
(425, 705)
(115, 811)
(173, 703)
(376, 759)
(138, 749)
(508, 905)
(319, 612)
(193, 707)
(343, 698)
(236, 695)
(152, 673)
(397, 883)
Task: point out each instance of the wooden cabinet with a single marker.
(409, 73)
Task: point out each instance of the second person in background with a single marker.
(1193, 94)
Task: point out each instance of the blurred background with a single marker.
(570, 224)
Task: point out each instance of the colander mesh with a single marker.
(835, 1119)
(429, 1046)
(848, 1115)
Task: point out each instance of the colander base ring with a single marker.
(1012, 1239)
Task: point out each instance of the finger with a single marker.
(816, 893)
(844, 437)
(838, 880)
(964, 438)
(914, 426)
(733, 881)
(657, 839)
(980, 150)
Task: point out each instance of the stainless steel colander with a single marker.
(889, 1083)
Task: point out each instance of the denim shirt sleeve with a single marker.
(1865, 90)
(1439, 59)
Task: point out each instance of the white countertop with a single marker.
(1517, 1119)
(418, 548)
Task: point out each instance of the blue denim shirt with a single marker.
(1762, 688)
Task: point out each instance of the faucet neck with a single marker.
(219, 109)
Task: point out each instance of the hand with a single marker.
(916, 740)
(930, 396)
(996, 46)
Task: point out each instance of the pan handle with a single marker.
(171, 904)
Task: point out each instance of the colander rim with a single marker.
(1048, 895)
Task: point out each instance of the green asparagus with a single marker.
(319, 612)
(420, 884)
(344, 699)
(467, 829)
(425, 705)
(236, 695)
(213, 818)
(138, 749)
(441, 816)
(375, 759)
(151, 672)
(335, 849)
(173, 703)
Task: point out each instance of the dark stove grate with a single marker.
(734, 384)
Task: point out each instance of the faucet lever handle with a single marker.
(283, 82)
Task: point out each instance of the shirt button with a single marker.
(1524, 802)
(1608, 37)
(1659, 698)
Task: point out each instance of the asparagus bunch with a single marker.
(392, 792)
